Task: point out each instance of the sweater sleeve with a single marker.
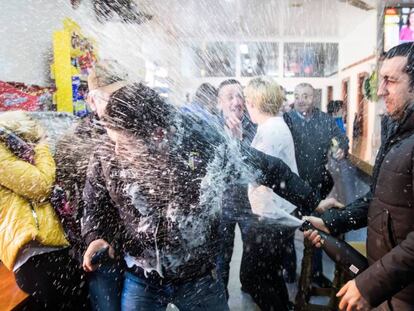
(275, 174)
(31, 181)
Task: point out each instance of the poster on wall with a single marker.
(310, 59)
(209, 59)
(259, 59)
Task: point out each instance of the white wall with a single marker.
(358, 44)
(26, 29)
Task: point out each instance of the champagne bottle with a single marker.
(352, 261)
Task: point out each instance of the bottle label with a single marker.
(354, 269)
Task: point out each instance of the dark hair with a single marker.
(139, 110)
(408, 18)
(405, 50)
(227, 82)
(334, 106)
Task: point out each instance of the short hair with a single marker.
(334, 106)
(303, 85)
(227, 82)
(405, 50)
(267, 95)
(138, 110)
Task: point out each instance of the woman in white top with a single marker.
(263, 102)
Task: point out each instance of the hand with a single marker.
(326, 204)
(234, 125)
(352, 298)
(339, 154)
(312, 235)
(93, 247)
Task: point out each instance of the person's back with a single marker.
(313, 139)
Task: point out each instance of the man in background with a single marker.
(313, 134)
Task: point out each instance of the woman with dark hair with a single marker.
(407, 31)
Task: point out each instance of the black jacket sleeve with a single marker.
(352, 217)
(276, 174)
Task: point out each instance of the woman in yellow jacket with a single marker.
(32, 241)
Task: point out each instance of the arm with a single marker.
(352, 217)
(31, 181)
(100, 217)
(276, 175)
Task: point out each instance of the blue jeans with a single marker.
(203, 294)
(105, 287)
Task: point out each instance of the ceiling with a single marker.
(255, 18)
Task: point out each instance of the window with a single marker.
(310, 59)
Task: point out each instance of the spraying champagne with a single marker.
(340, 252)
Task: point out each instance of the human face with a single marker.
(303, 99)
(231, 101)
(98, 100)
(394, 86)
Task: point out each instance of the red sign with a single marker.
(14, 99)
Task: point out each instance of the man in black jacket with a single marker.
(313, 131)
(388, 207)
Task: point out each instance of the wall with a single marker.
(356, 46)
(26, 29)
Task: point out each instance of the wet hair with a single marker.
(404, 50)
(266, 95)
(227, 82)
(206, 95)
(138, 110)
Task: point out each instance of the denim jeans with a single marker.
(105, 287)
(203, 294)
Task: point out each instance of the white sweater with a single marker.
(273, 138)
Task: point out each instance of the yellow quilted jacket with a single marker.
(25, 212)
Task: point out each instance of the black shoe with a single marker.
(321, 280)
